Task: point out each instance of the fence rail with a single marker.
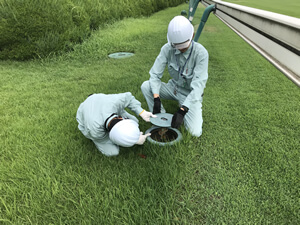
(275, 36)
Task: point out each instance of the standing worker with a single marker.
(187, 63)
(103, 119)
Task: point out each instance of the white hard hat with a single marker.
(125, 133)
(180, 32)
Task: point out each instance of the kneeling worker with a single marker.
(103, 119)
(187, 63)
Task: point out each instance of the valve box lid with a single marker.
(162, 119)
(119, 55)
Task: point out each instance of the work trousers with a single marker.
(192, 120)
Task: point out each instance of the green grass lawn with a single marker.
(244, 169)
(287, 7)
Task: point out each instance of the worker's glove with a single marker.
(146, 115)
(142, 138)
(157, 105)
(177, 118)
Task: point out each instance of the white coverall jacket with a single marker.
(189, 72)
(93, 112)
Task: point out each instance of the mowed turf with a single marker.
(287, 7)
(244, 169)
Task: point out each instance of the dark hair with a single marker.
(113, 122)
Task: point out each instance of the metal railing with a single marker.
(275, 36)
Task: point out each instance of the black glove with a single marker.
(177, 118)
(157, 105)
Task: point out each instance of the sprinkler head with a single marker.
(183, 13)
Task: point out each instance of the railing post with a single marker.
(204, 18)
(192, 9)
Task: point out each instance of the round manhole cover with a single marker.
(120, 55)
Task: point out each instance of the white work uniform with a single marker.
(94, 111)
(189, 75)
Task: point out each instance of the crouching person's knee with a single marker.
(196, 132)
(145, 87)
(108, 149)
(110, 153)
